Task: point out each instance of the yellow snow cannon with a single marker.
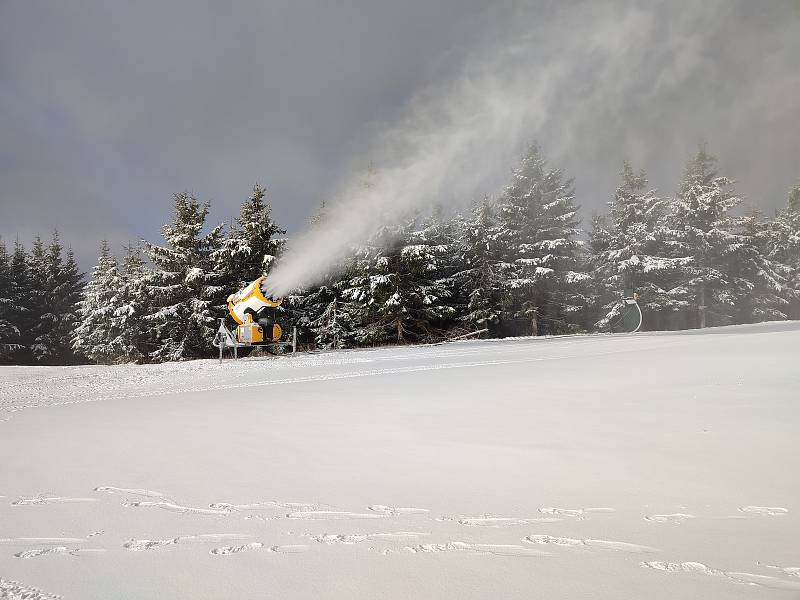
(254, 314)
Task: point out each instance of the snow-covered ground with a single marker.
(648, 466)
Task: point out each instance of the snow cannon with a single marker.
(254, 313)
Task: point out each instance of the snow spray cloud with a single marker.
(571, 67)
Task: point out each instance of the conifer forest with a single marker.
(518, 264)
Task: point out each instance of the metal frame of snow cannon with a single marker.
(225, 338)
(253, 312)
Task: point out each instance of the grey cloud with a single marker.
(106, 109)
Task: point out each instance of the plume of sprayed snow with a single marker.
(459, 139)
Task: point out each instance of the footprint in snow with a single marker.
(577, 513)
(110, 489)
(730, 576)
(674, 518)
(790, 571)
(763, 510)
(492, 521)
(349, 539)
(273, 504)
(288, 549)
(588, 543)
(142, 545)
(397, 510)
(323, 515)
(48, 499)
(263, 518)
(236, 549)
(38, 552)
(494, 549)
(178, 508)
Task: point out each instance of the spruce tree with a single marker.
(9, 332)
(764, 277)
(539, 230)
(327, 316)
(39, 318)
(599, 241)
(181, 287)
(68, 288)
(96, 335)
(784, 248)
(629, 252)
(722, 266)
(252, 245)
(21, 295)
(481, 280)
(436, 247)
(132, 344)
(54, 291)
(397, 291)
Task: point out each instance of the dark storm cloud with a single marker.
(108, 108)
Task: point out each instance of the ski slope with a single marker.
(656, 465)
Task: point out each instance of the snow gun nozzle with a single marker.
(268, 292)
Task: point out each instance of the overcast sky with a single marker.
(108, 108)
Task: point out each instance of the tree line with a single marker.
(40, 295)
(518, 264)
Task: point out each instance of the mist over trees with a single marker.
(516, 264)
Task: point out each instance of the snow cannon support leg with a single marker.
(224, 339)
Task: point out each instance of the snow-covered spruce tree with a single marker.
(37, 326)
(629, 253)
(327, 316)
(21, 301)
(721, 264)
(599, 239)
(358, 286)
(539, 227)
(251, 246)
(181, 287)
(784, 248)
(481, 279)
(55, 291)
(436, 246)
(132, 343)
(397, 291)
(9, 332)
(68, 288)
(96, 335)
(765, 278)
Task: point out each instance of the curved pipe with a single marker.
(641, 318)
